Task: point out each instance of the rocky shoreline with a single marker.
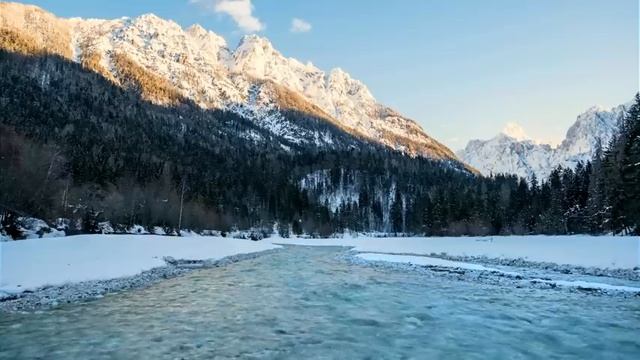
(623, 274)
(51, 296)
(528, 278)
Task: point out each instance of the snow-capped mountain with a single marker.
(510, 152)
(255, 80)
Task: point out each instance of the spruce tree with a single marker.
(630, 166)
(596, 202)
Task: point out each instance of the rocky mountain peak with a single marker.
(512, 152)
(197, 64)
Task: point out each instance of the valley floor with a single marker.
(68, 269)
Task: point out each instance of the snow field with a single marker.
(33, 263)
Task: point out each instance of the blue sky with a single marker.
(461, 68)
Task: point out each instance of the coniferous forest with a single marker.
(78, 151)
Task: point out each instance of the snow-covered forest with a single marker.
(78, 151)
(111, 125)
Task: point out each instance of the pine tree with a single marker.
(596, 202)
(630, 166)
(555, 215)
(427, 217)
(396, 213)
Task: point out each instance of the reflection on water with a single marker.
(305, 303)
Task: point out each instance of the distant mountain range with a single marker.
(511, 153)
(141, 122)
(132, 115)
(169, 65)
(254, 80)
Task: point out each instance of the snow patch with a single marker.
(31, 264)
(588, 285)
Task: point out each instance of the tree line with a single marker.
(79, 151)
(600, 196)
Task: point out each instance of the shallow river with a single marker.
(308, 303)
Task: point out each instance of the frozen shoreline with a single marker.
(604, 265)
(47, 297)
(625, 274)
(602, 252)
(42, 273)
(31, 264)
(455, 270)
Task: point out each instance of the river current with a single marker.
(304, 302)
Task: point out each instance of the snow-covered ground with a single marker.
(79, 267)
(30, 264)
(614, 252)
(430, 262)
(605, 265)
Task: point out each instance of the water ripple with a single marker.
(306, 303)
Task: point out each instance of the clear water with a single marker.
(306, 303)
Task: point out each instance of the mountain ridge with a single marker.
(200, 66)
(506, 153)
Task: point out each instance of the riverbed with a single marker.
(304, 302)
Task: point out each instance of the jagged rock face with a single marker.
(200, 66)
(504, 154)
(507, 154)
(596, 124)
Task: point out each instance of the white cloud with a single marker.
(299, 26)
(241, 11)
(515, 131)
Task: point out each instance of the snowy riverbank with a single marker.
(603, 252)
(38, 273)
(480, 273)
(54, 270)
(604, 265)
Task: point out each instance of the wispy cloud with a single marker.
(241, 11)
(299, 26)
(515, 131)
